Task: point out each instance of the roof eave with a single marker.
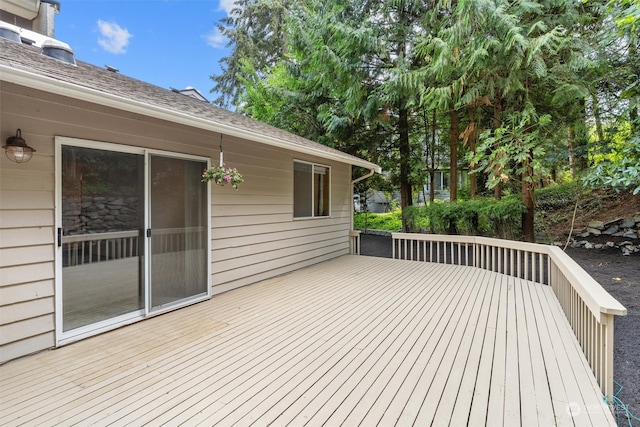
(59, 87)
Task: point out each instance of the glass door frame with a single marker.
(150, 309)
(64, 337)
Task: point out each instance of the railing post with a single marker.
(393, 247)
(607, 357)
(354, 242)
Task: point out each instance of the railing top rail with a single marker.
(434, 237)
(477, 240)
(354, 233)
(100, 236)
(592, 293)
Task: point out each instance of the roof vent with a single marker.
(112, 69)
(9, 33)
(58, 50)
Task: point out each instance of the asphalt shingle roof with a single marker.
(31, 60)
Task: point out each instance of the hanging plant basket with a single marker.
(222, 175)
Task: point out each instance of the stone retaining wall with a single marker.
(100, 214)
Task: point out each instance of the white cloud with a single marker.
(215, 39)
(114, 38)
(227, 6)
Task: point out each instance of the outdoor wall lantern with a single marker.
(17, 149)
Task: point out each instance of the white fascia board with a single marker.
(27, 9)
(71, 90)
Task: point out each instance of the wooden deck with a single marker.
(353, 341)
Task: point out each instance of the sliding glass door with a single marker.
(100, 239)
(178, 231)
(133, 235)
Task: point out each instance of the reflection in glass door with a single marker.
(178, 219)
(101, 245)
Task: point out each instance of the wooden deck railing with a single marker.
(102, 247)
(590, 309)
(99, 247)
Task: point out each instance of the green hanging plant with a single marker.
(222, 175)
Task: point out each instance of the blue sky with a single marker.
(169, 43)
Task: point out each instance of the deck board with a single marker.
(352, 341)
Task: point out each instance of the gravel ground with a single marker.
(620, 276)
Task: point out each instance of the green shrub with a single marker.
(556, 196)
(391, 221)
(417, 220)
(483, 216)
(505, 216)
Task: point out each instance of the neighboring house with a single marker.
(109, 222)
(375, 201)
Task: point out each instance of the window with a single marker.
(311, 195)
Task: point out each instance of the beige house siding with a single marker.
(254, 235)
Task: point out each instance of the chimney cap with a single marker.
(54, 3)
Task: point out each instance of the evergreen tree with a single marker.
(255, 30)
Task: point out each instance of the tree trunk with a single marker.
(432, 190)
(453, 149)
(581, 139)
(596, 115)
(497, 121)
(473, 178)
(528, 217)
(572, 166)
(405, 168)
(432, 160)
(634, 112)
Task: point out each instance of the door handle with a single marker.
(59, 236)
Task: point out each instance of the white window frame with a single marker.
(313, 166)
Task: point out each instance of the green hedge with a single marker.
(391, 221)
(480, 217)
(487, 217)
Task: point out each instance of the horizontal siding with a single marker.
(240, 253)
(16, 256)
(32, 344)
(247, 220)
(239, 209)
(26, 292)
(254, 235)
(18, 179)
(26, 200)
(232, 283)
(21, 237)
(26, 273)
(249, 246)
(24, 329)
(26, 310)
(23, 218)
(250, 239)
